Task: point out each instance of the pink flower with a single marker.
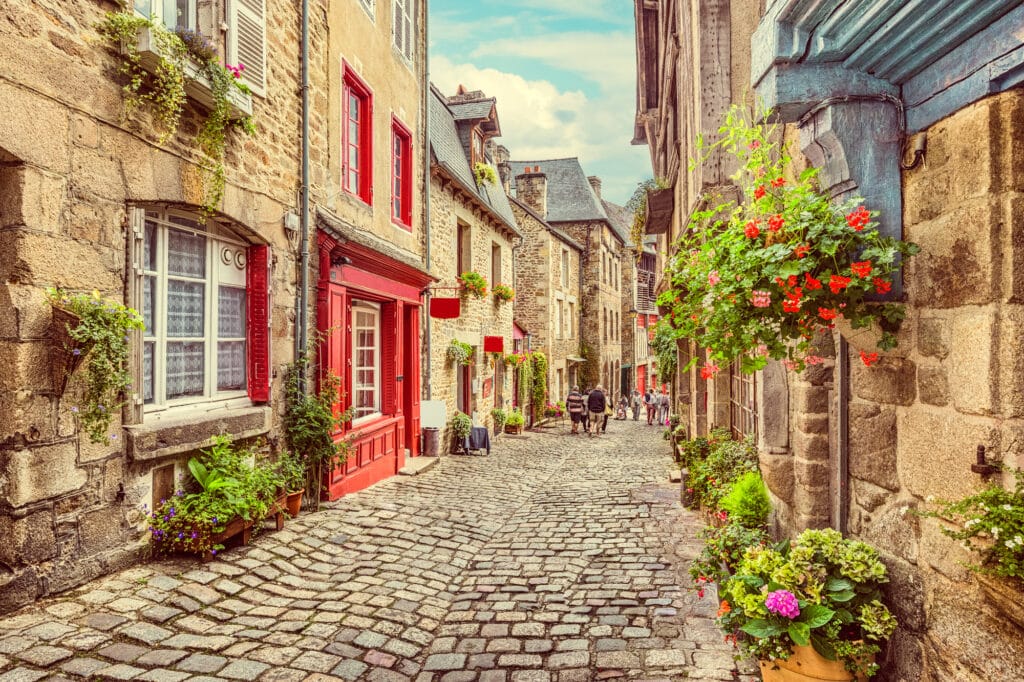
(783, 603)
(708, 371)
(760, 299)
(713, 278)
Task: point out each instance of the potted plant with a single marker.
(757, 277)
(514, 421)
(484, 173)
(293, 474)
(459, 353)
(94, 330)
(473, 283)
(503, 293)
(499, 416)
(462, 425)
(811, 605)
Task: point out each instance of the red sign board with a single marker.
(494, 344)
(445, 308)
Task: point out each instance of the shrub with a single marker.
(747, 500)
(461, 425)
(709, 479)
(499, 416)
(515, 418)
(723, 550)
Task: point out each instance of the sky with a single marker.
(563, 73)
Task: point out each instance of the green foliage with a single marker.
(666, 350)
(292, 469)
(710, 478)
(459, 353)
(539, 392)
(723, 549)
(515, 418)
(503, 293)
(512, 359)
(836, 583)
(990, 523)
(473, 283)
(637, 207)
(484, 173)
(311, 422)
(103, 336)
(461, 425)
(212, 136)
(499, 416)
(228, 482)
(747, 500)
(756, 279)
(525, 386)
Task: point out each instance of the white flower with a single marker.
(995, 532)
(1007, 507)
(972, 522)
(929, 499)
(1009, 544)
(1018, 539)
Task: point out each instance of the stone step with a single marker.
(417, 465)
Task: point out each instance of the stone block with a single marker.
(935, 451)
(933, 385)
(43, 472)
(100, 530)
(811, 446)
(933, 337)
(31, 198)
(893, 530)
(891, 381)
(171, 437)
(1012, 250)
(868, 496)
(811, 474)
(805, 398)
(54, 260)
(904, 593)
(873, 445)
(777, 471)
(19, 587)
(27, 540)
(24, 312)
(26, 366)
(974, 363)
(28, 414)
(34, 128)
(1011, 360)
(811, 423)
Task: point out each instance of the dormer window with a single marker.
(478, 148)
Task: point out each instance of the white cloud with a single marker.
(592, 9)
(540, 121)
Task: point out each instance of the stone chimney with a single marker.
(532, 190)
(501, 160)
(595, 183)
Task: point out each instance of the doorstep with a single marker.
(417, 465)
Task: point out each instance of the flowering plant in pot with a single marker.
(514, 421)
(459, 353)
(756, 276)
(794, 604)
(473, 283)
(95, 331)
(503, 293)
(293, 473)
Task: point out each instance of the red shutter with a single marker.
(389, 359)
(257, 275)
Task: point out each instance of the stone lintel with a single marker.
(169, 437)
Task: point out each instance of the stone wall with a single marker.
(479, 317)
(70, 166)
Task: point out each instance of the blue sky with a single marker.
(564, 74)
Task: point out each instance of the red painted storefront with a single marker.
(352, 274)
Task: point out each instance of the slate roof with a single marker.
(620, 219)
(558, 232)
(447, 151)
(463, 111)
(570, 196)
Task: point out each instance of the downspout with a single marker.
(426, 188)
(303, 316)
(844, 436)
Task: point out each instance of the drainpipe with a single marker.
(426, 186)
(303, 317)
(844, 436)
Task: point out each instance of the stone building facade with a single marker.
(83, 190)
(572, 204)
(548, 277)
(472, 228)
(842, 444)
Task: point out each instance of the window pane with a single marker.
(185, 368)
(149, 247)
(230, 365)
(364, 338)
(148, 373)
(143, 7)
(185, 308)
(186, 254)
(148, 303)
(230, 312)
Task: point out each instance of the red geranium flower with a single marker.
(868, 358)
(754, 145)
(778, 182)
(759, 192)
(708, 371)
(776, 222)
(837, 283)
(752, 230)
(882, 286)
(810, 282)
(791, 306)
(861, 268)
(858, 219)
(827, 314)
(801, 250)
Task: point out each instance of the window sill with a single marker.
(197, 85)
(192, 430)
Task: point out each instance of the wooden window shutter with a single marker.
(257, 276)
(408, 25)
(390, 363)
(133, 408)
(248, 21)
(398, 25)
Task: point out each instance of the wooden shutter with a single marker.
(133, 408)
(398, 25)
(257, 276)
(248, 21)
(390, 359)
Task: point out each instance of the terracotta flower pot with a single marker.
(807, 665)
(513, 429)
(294, 502)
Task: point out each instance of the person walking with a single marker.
(586, 412)
(574, 404)
(664, 405)
(651, 405)
(634, 403)
(596, 404)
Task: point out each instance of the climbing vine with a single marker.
(540, 384)
(525, 370)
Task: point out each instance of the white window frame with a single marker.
(370, 7)
(156, 13)
(237, 251)
(359, 306)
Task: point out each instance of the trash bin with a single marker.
(431, 441)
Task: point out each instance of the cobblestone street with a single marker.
(556, 558)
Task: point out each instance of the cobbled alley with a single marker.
(556, 558)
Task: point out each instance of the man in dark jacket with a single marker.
(574, 403)
(596, 404)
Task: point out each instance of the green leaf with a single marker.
(760, 628)
(816, 615)
(837, 584)
(843, 596)
(800, 633)
(823, 647)
(844, 616)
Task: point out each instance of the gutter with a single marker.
(303, 316)
(843, 520)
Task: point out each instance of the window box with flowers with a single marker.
(459, 353)
(503, 293)
(758, 278)
(472, 283)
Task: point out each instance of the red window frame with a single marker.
(357, 112)
(401, 174)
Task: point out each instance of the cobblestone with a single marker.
(554, 559)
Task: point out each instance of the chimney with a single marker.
(595, 183)
(532, 190)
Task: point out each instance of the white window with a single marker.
(365, 360)
(174, 14)
(569, 320)
(194, 306)
(403, 28)
(558, 319)
(247, 41)
(368, 5)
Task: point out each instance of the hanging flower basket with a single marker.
(473, 283)
(66, 354)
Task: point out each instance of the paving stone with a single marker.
(445, 662)
(20, 674)
(124, 653)
(243, 670)
(380, 659)
(103, 621)
(145, 632)
(519, 660)
(121, 671)
(49, 631)
(44, 656)
(82, 667)
(568, 659)
(201, 663)
(315, 661)
(349, 669)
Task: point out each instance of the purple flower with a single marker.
(194, 535)
(167, 518)
(783, 603)
(75, 410)
(180, 493)
(76, 351)
(214, 552)
(215, 519)
(181, 536)
(113, 436)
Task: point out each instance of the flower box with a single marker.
(197, 85)
(235, 527)
(509, 428)
(806, 665)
